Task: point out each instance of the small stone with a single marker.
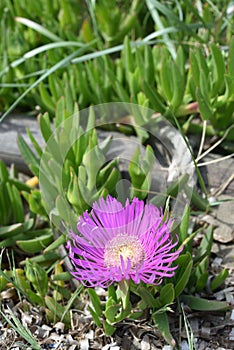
(205, 331)
(26, 319)
(231, 335)
(47, 328)
(71, 342)
(203, 346)
(106, 347)
(232, 315)
(56, 337)
(195, 326)
(41, 333)
(225, 209)
(84, 344)
(145, 343)
(217, 262)
(184, 345)
(224, 233)
(90, 334)
(8, 294)
(59, 327)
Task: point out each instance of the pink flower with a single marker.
(116, 243)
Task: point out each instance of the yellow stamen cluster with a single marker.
(129, 247)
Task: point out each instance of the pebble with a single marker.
(145, 343)
(184, 345)
(232, 315)
(231, 335)
(84, 344)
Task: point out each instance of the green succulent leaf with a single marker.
(162, 323)
(146, 295)
(166, 297)
(28, 155)
(35, 143)
(11, 230)
(200, 304)
(194, 66)
(200, 202)
(167, 294)
(182, 274)
(204, 107)
(45, 126)
(37, 244)
(46, 98)
(184, 225)
(109, 329)
(219, 280)
(156, 100)
(35, 298)
(16, 203)
(231, 59)
(37, 276)
(206, 244)
(111, 310)
(63, 276)
(55, 244)
(218, 69)
(95, 301)
(58, 310)
(3, 283)
(4, 175)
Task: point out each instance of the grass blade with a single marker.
(189, 331)
(40, 49)
(154, 13)
(38, 28)
(54, 68)
(22, 330)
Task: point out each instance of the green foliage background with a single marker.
(168, 56)
(63, 56)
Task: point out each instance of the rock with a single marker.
(217, 174)
(9, 130)
(222, 219)
(145, 343)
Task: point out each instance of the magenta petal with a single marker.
(140, 245)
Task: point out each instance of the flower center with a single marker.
(129, 247)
